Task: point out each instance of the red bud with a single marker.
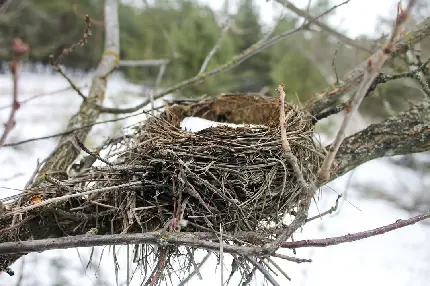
(19, 48)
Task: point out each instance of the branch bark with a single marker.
(144, 63)
(19, 50)
(405, 133)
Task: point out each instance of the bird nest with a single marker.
(169, 178)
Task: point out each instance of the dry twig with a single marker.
(215, 47)
(98, 23)
(19, 50)
(330, 211)
(55, 61)
(356, 236)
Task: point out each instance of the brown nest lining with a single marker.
(236, 178)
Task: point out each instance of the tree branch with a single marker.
(331, 98)
(356, 236)
(194, 240)
(215, 47)
(19, 50)
(307, 189)
(155, 238)
(235, 61)
(144, 63)
(405, 133)
(383, 78)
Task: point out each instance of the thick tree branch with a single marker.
(415, 74)
(405, 133)
(144, 63)
(66, 153)
(331, 98)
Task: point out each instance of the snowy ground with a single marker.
(398, 258)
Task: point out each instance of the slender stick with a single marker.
(196, 270)
(19, 50)
(356, 236)
(266, 273)
(221, 255)
(283, 120)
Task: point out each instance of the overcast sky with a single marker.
(357, 17)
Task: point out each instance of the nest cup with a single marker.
(164, 177)
(230, 177)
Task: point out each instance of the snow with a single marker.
(397, 258)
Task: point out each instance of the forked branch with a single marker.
(374, 66)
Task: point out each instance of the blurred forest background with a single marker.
(183, 32)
